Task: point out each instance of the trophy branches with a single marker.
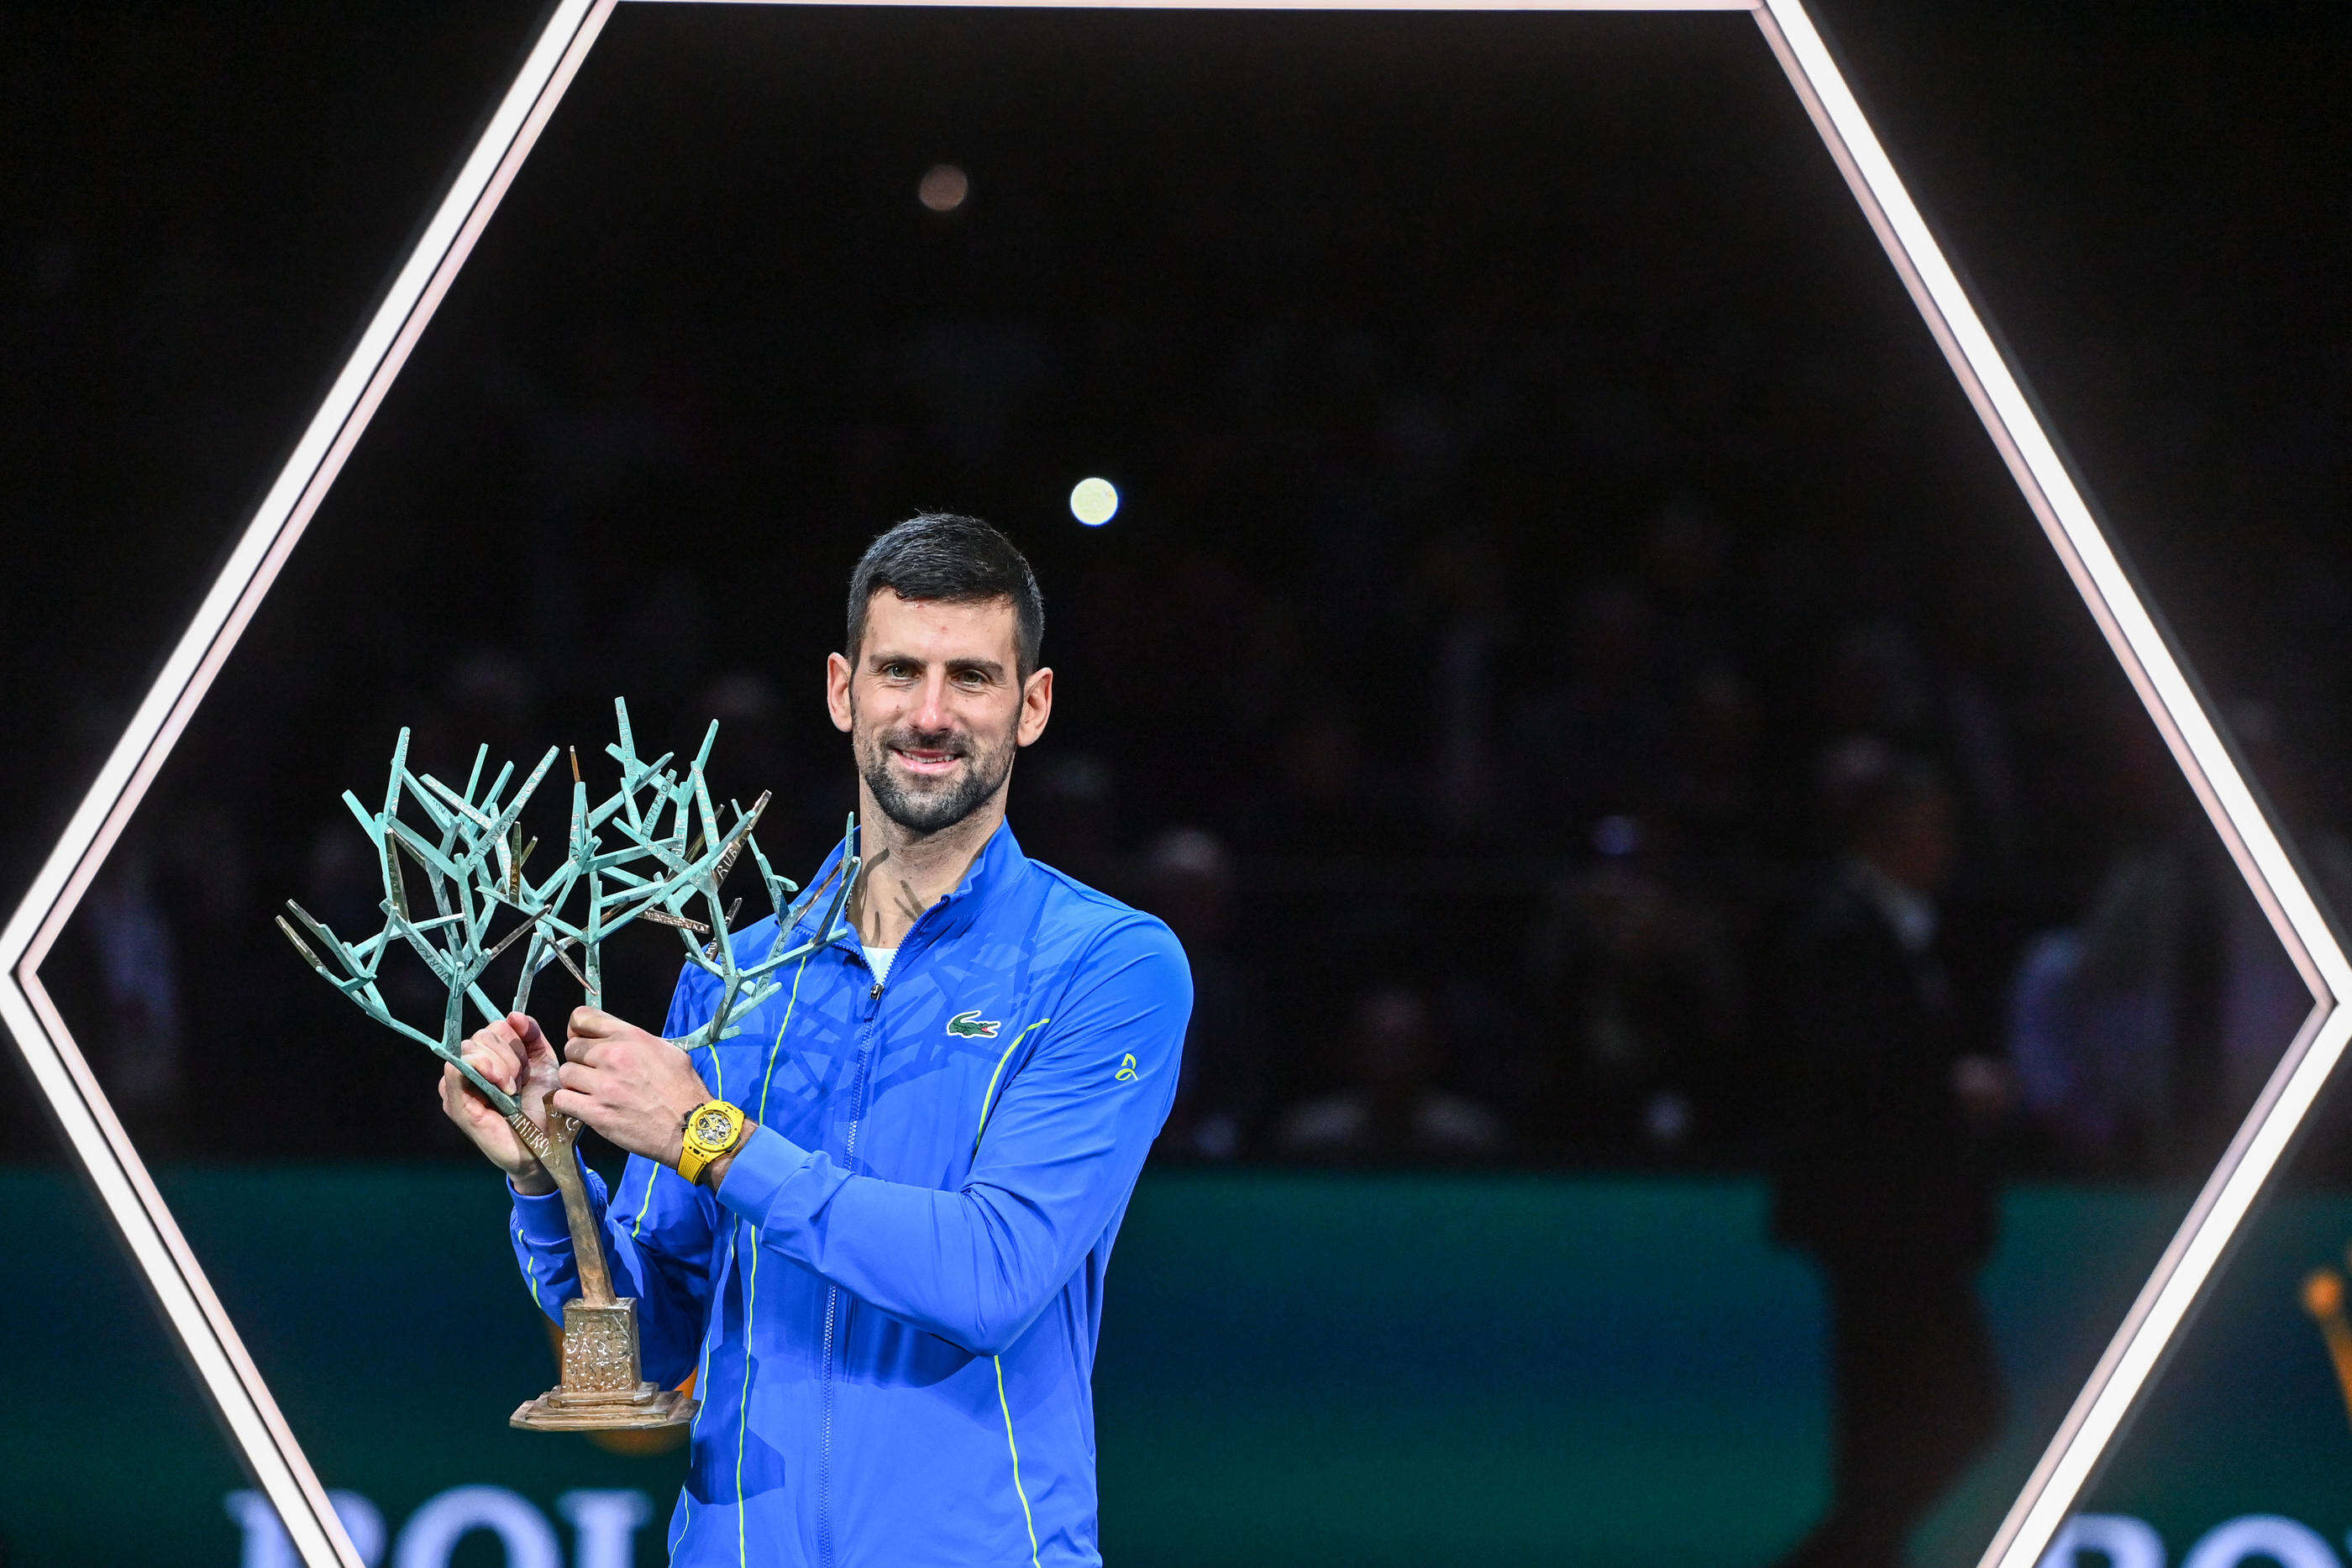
(472, 852)
(652, 850)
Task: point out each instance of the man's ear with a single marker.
(836, 692)
(1037, 706)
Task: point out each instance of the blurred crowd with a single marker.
(1468, 875)
(1530, 557)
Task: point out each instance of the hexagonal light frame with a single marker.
(195, 1314)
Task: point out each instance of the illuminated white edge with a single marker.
(2172, 1291)
(1271, 5)
(194, 1314)
(93, 1132)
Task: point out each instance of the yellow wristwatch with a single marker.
(712, 1128)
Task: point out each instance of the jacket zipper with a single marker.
(832, 1296)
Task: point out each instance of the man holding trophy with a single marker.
(873, 1224)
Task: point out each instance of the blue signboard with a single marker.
(1296, 1370)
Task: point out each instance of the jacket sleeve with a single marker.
(1058, 1150)
(659, 1241)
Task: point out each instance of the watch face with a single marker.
(710, 1127)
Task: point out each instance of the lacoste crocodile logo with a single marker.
(972, 1026)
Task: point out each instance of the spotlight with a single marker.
(1094, 502)
(944, 188)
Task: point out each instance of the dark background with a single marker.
(1530, 464)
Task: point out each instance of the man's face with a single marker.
(934, 707)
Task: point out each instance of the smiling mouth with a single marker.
(927, 762)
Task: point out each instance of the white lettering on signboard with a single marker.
(266, 1545)
(432, 1532)
(605, 1525)
(2123, 1540)
(2260, 1537)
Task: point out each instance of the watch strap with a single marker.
(698, 1147)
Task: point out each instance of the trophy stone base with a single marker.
(648, 1406)
(603, 1389)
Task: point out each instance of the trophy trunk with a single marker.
(602, 1387)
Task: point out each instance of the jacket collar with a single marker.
(999, 866)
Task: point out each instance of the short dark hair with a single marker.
(955, 561)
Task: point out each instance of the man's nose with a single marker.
(931, 704)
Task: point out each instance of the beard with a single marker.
(929, 805)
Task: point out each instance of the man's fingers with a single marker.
(585, 1049)
(491, 1063)
(588, 1023)
(462, 1100)
(493, 1043)
(462, 1091)
(572, 1103)
(532, 1039)
(500, 1068)
(575, 1076)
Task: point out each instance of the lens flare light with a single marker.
(943, 187)
(1093, 502)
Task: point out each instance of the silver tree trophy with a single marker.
(653, 850)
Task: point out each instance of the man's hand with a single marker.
(514, 1054)
(633, 1087)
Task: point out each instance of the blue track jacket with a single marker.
(892, 1307)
